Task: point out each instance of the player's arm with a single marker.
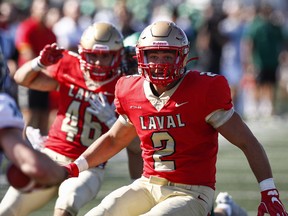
(230, 125)
(33, 74)
(238, 133)
(135, 160)
(105, 147)
(34, 164)
(37, 80)
(11, 140)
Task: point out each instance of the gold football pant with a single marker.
(156, 196)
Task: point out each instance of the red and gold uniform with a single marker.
(179, 144)
(163, 124)
(86, 85)
(71, 133)
(177, 115)
(74, 128)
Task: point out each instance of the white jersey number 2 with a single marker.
(165, 145)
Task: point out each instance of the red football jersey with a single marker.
(177, 143)
(74, 128)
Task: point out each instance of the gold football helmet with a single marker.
(101, 39)
(162, 35)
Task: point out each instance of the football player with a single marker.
(225, 205)
(177, 114)
(39, 167)
(86, 84)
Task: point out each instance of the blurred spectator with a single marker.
(263, 42)
(119, 15)
(209, 41)
(53, 16)
(232, 27)
(124, 17)
(160, 12)
(8, 26)
(283, 83)
(105, 15)
(68, 29)
(184, 22)
(32, 35)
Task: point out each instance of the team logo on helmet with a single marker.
(160, 43)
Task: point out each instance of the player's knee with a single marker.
(66, 201)
(74, 193)
(66, 206)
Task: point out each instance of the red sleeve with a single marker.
(218, 95)
(126, 86)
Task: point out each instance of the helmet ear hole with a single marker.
(164, 36)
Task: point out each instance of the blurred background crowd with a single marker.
(244, 40)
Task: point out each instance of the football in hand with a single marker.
(17, 179)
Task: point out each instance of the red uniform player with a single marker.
(167, 150)
(86, 84)
(177, 115)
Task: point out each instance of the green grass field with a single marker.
(234, 174)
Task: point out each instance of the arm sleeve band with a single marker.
(36, 65)
(81, 163)
(267, 184)
(219, 117)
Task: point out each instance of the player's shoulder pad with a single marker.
(127, 81)
(205, 78)
(206, 75)
(133, 77)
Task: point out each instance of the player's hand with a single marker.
(101, 108)
(271, 204)
(50, 55)
(20, 181)
(72, 170)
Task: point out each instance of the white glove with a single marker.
(35, 138)
(101, 108)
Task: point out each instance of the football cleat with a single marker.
(225, 198)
